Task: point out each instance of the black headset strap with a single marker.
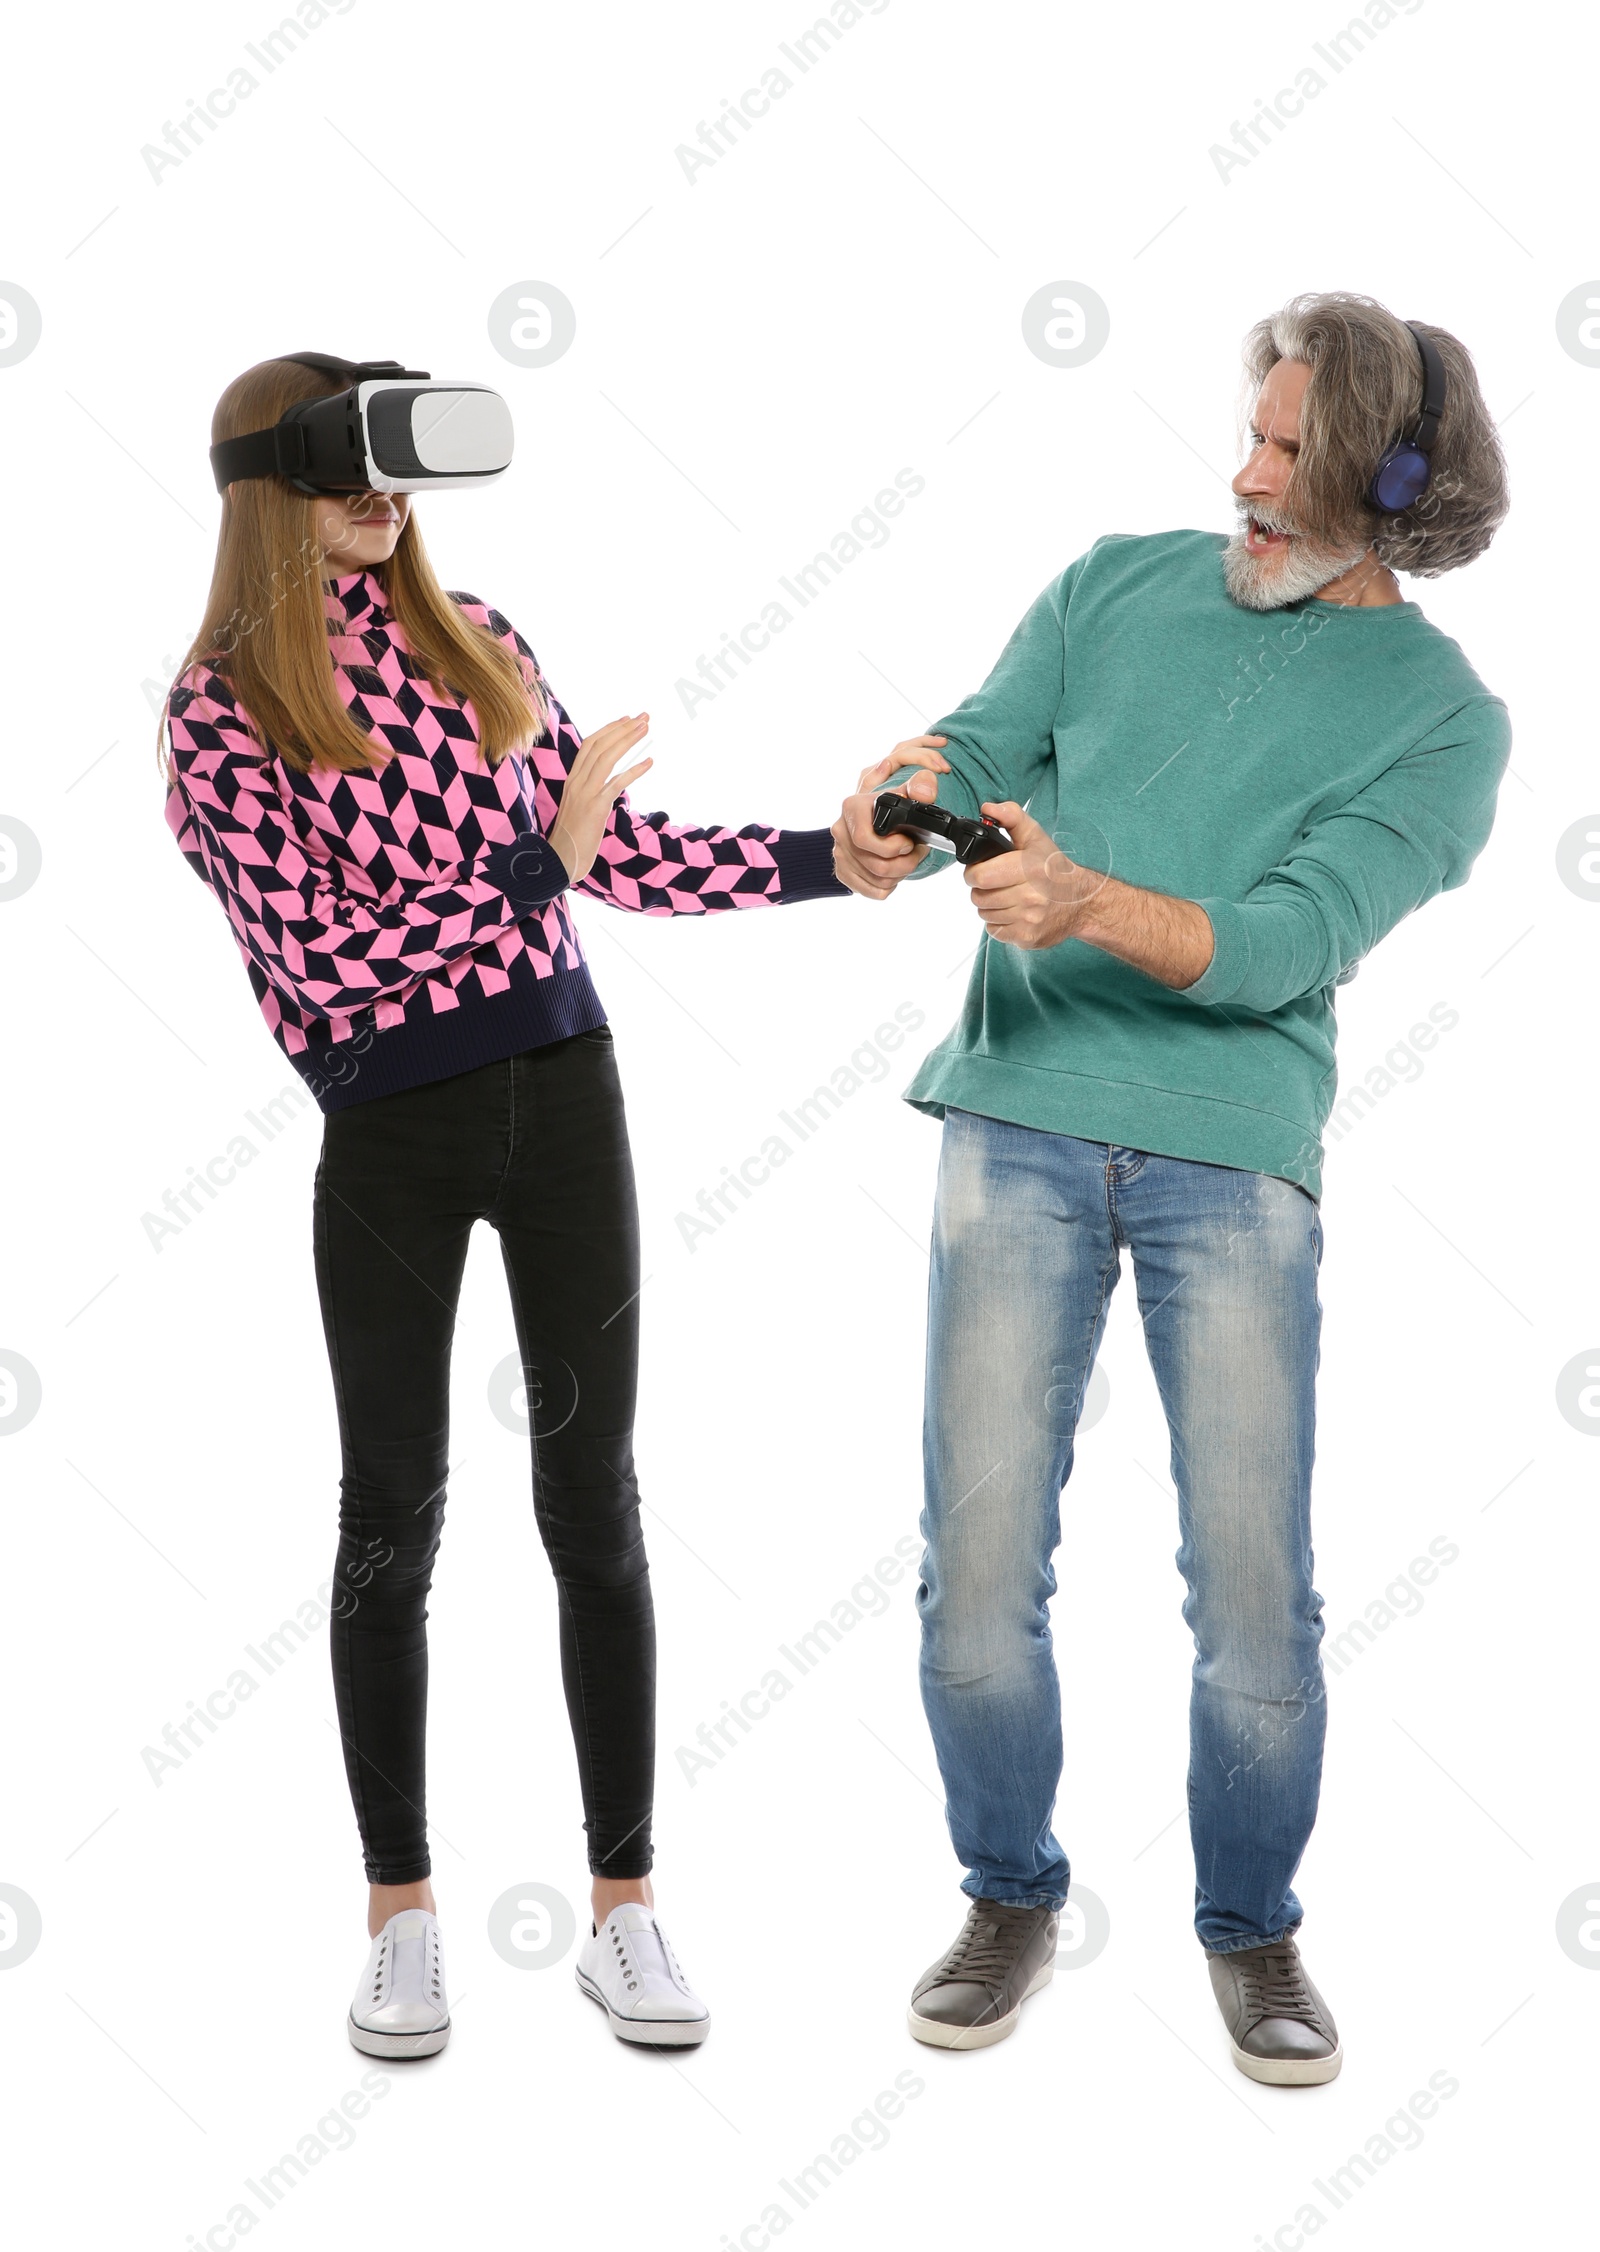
(1432, 392)
(356, 371)
(280, 451)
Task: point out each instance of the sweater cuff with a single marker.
(1229, 965)
(805, 866)
(529, 870)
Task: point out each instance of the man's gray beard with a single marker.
(1263, 582)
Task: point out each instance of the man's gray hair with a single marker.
(1363, 396)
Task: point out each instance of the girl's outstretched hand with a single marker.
(592, 789)
(919, 750)
(862, 860)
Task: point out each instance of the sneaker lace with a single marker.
(989, 1943)
(1275, 1985)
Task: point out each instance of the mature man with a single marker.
(1242, 760)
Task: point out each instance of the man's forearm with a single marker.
(1168, 939)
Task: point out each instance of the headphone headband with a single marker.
(1432, 391)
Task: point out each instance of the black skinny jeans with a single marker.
(538, 1147)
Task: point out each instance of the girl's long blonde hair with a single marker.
(265, 629)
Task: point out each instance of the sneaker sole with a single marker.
(648, 2032)
(1288, 2072)
(397, 2045)
(940, 2036)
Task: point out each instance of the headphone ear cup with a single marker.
(1401, 479)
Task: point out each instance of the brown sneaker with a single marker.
(1279, 2024)
(974, 1994)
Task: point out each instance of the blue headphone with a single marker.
(1401, 478)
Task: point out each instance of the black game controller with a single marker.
(969, 840)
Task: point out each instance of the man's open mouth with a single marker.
(1259, 539)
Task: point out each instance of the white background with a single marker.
(760, 352)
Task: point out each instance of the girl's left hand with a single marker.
(919, 750)
(870, 864)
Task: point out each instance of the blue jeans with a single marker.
(1028, 1233)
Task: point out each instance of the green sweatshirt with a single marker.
(1309, 775)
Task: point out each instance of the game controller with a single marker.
(969, 840)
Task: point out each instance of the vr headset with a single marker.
(394, 430)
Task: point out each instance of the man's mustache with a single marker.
(1270, 520)
(1278, 520)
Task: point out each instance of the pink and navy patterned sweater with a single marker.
(410, 922)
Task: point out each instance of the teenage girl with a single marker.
(394, 810)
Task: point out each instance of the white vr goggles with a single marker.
(393, 431)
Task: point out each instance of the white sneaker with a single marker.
(628, 1967)
(400, 2009)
